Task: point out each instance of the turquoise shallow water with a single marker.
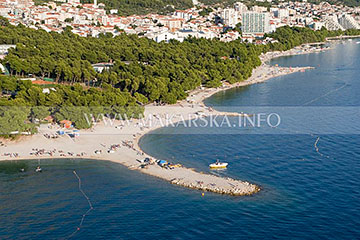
(307, 194)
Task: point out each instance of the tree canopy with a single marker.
(22, 102)
(139, 7)
(143, 71)
(154, 71)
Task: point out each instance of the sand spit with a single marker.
(118, 142)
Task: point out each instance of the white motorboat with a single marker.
(218, 165)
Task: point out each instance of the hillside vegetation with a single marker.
(144, 71)
(139, 7)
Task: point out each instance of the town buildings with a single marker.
(92, 19)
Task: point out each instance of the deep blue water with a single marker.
(307, 193)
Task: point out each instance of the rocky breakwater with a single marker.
(230, 187)
(190, 178)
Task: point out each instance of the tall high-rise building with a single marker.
(254, 22)
(229, 17)
(332, 23)
(282, 13)
(348, 22)
(240, 7)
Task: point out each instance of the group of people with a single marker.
(41, 152)
(130, 145)
(51, 136)
(11, 155)
(114, 147)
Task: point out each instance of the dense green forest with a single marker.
(139, 7)
(144, 71)
(147, 70)
(22, 103)
(290, 37)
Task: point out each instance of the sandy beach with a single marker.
(118, 141)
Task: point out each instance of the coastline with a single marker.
(102, 137)
(342, 37)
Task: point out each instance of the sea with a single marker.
(308, 168)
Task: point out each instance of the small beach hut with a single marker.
(65, 123)
(49, 119)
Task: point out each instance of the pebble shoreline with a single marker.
(181, 176)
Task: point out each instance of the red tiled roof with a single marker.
(40, 82)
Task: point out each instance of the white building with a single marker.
(282, 13)
(240, 7)
(317, 25)
(348, 22)
(187, 15)
(164, 37)
(172, 24)
(255, 23)
(100, 67)
(229, 17)
(114, 11)
(4, 11)
(259, 9)
(332, 23)
(4, 49)
(197, 34)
